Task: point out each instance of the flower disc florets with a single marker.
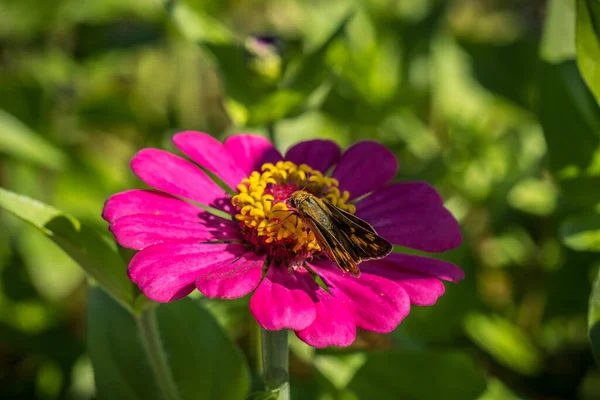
(268, 224)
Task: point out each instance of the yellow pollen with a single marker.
(270, 219)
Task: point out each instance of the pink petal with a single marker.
(411, 214)
(167, 271)
(143, 230)
(425, 265)
(365, 166)
(423, 290)
(209, 153)
(174, 175)
(318, 154)
(251, 151)
(281, 301)
(333, 325)
(231, 280)
(376, 304)
(147, 202)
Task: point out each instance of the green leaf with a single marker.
(205, 362)
(582, 232)
(19, 141)
(201, 360)
(121, 370)
(505, 342)
(569, 116)
(594, 319)
(419, 374)
(588, 43)
(96, 255)
(558, 39)
(196, 25)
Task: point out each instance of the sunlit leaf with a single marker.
(96, 255)
(588, 43)
(558, 39)
(505, 342)
(582, 232)
(19, 141)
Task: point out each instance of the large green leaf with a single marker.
(419, 374)
(96, 255)
(588, 43)
(198, 357)
(19, 141)
(582, 232)
(120, 367)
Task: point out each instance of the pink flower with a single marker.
(182, 246)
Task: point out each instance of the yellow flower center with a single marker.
(266, 220)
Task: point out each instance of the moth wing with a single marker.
(332, 246)
(359, 236)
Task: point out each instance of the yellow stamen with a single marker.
(272, 220)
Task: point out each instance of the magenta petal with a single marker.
(174, 175)
(281, 301)
(251, 151)
(143, 230)
(209, 153)
(167, 271)
(411, 214)
(376, 304)
(423, 290)
(365, 166)
(318, 154)
(333, 325)
(139, 201)
(425, 265)
(231, 280)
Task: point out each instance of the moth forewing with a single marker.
(345, 238)
(366, 243)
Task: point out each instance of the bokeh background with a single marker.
(482, 98)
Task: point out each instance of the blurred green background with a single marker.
(482, 98)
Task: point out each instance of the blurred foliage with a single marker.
(495, 102)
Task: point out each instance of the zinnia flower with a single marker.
(254, 249)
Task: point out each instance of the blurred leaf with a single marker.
(498, 391)
(196, 25)
(96, 255)
(582, 232)
(53, 273)
(505, 342)
(512, 78)
(535, 196)
(570, 118)
(204, 363)
(558, 39)
(19, 141)
(594, 318)
(588, 43)
(419, 374)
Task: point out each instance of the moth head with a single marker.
(297, 198)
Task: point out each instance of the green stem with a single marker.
(275, 361)
(150, 335)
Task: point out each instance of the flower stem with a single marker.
(150, 335)
(275, 352)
